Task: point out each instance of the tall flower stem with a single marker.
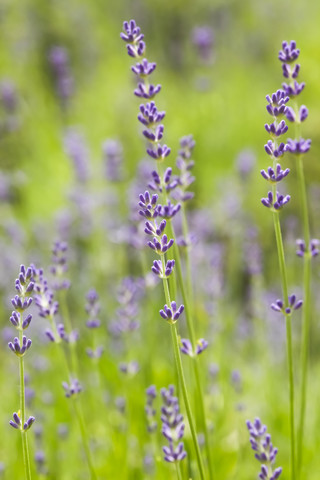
(185, 230)
(284, 282)
(80, 419)
(177, 356)
(84, 435)
(25, 447)
(306, 313)
(192, 335)
(66, 317)
(179, 476)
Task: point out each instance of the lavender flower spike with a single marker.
(265, 452)
(172, 426)
(151, 393)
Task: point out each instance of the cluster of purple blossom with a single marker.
(265, 452)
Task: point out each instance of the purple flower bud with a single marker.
(20, 348)
(149, 114)
(148, 91)
(158, 269)
(274, 151)
(280, 201)
(298, 147)
(144, 68)
(293, 90)
(313, 247)
(293, 304)
(170, 210)
(303, 113)
(276, 130)
(73, 389)
(159, 152)
(154, 136)
(172, 426)
(171, 314)
(275, 176)
(28, 424)
(132, 32)
(289, 52)
(277, 101)
(161, 246)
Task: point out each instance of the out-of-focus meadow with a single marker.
(220, 100)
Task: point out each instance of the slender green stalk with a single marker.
(177, 356)
(283, 275)
(192, 335)
(84, 436)
(79, 415)
(306, 311)
(66, 317)
(179, 475)
(306, 314)
(24, 437)
(185, 230)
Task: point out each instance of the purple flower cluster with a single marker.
(113, 160)
(172, 313)
(64, 84)
(149, 115)
(186, 347)
(77, 150)
(72, 389)
(93, 310)
(265, 452)
(303, 249)
(277, 109)
(151, 393)
(24, 285)
(293, 304)
(287, 56)
(126, 314)
(60, 266)
(16, 422)
(184, 164)
(47, 305)
(172, 426)
(203, 40)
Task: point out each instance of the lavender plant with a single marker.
(20, 345)
(275, 201)
(172, 428)
(265, 452)
(307, 247)
(151, 117)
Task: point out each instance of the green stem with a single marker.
(84, 435)
(179, 475)
(24, 437)
(192, 335)
(283, 275)
(185, 230)
(177, 356)
(306, 320)
(79, 415)
(66, 317)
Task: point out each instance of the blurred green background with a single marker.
(220, 102)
